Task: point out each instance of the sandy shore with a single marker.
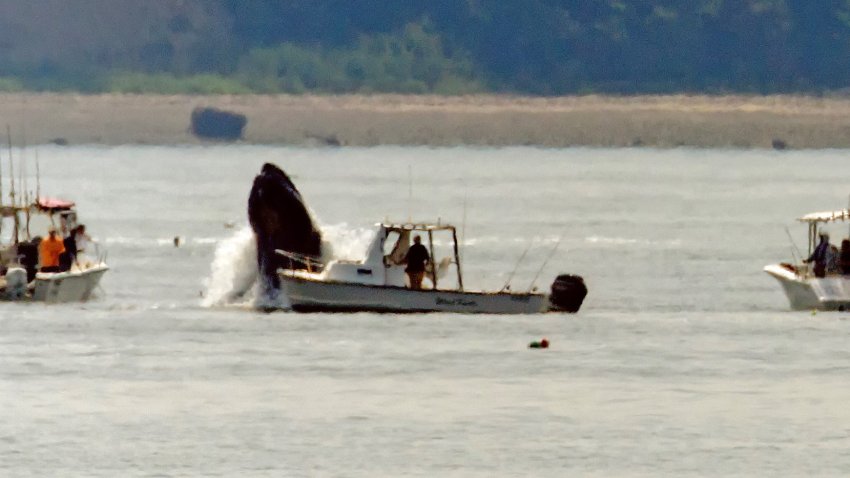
(663, 121)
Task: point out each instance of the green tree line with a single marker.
(541, 47)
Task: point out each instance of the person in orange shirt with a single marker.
(49, 250)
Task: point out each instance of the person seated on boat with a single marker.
(821, 255)
(49, 250)
(844, 257)
(69, 255)
(417, 259)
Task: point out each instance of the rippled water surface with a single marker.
(684, 360)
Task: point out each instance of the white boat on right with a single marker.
(809, 285)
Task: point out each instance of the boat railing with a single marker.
(100, 253)
(800, 270)
(806, 270)
(312, 263)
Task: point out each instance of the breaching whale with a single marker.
(280, 220)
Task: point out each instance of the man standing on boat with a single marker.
(416, 259)
(821, 255)
(49, 250)
(74, 245)
(69, 255)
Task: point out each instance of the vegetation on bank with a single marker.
(410, 61)
(542, 47)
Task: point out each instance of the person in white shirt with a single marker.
(81, 238)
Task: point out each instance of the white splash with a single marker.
(343, 242)
(160, 242)
(627, 241)
(233, 275)
(234, 270)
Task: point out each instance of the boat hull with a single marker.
(309, 295)
(72, 286)
(807, 293)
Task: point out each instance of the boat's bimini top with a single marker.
(826, 216)
(54, 204)
(416, 226)
(40, 205)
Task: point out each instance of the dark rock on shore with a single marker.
(212, 123)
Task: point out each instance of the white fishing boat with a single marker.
(20, 279)
(804, 289)
(379, 283)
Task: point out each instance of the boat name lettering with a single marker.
(456, 301)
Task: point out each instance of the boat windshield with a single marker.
(38, 225)
(440, 242)
(396, 246)
(7, 229)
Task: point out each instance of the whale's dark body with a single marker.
(280, 221)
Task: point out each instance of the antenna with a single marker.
(23, 170)
(37, 178)
(409, 193)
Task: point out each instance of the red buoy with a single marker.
(542, 344)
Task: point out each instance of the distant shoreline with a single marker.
(359, 120)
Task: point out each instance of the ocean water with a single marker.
(684, 360)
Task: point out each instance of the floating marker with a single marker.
(542, 344)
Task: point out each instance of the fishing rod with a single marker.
(11, 167)
(463, 223)
(12, 183)
(24, 169)
(548, 258)
(798, 258)
(516, 266)
(1, 173)
(37, 177)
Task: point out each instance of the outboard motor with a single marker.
(568, 292)
(16, 283)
